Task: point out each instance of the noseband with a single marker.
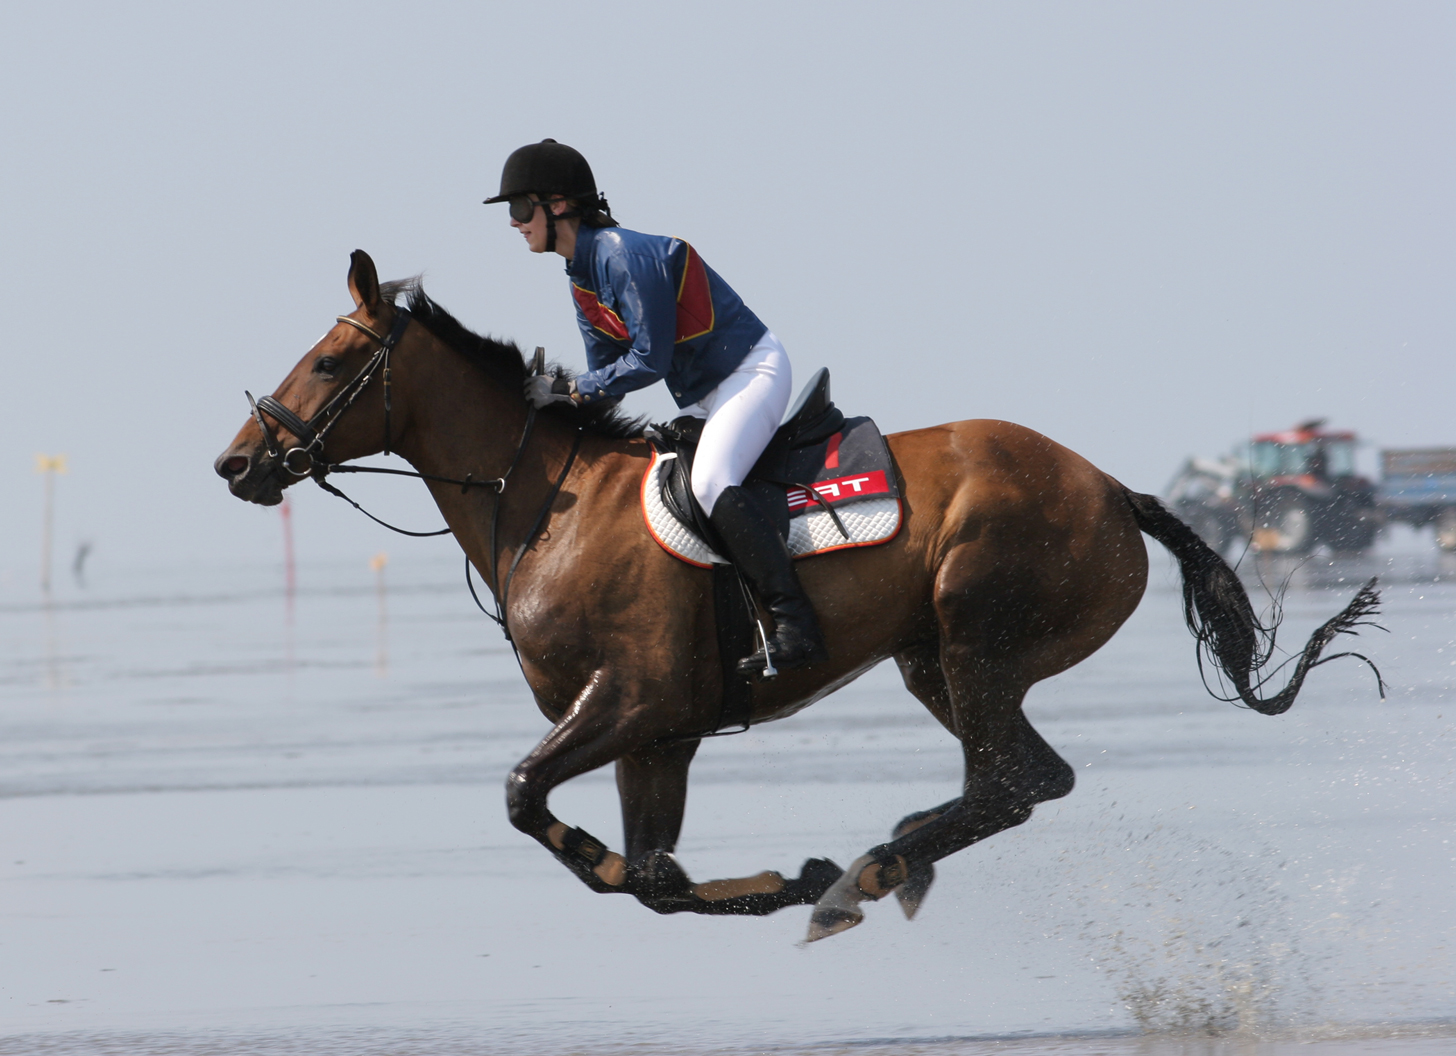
(312, 433)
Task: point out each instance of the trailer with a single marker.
(1418, 487)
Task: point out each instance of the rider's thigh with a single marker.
(744, 411)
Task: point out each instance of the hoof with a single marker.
(816, 877)
(831, 920)
(838, 909)
(912, 892)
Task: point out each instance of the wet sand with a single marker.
(225, 831)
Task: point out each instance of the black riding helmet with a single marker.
(551, 171)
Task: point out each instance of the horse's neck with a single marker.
(455, 419)
(459, 421)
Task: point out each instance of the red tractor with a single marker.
(1297, 490)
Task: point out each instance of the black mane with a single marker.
(502, 361)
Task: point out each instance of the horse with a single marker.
(1017, 559)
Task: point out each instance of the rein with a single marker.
(313, 436)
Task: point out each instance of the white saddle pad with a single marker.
(869, 521)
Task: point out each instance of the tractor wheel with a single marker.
(1355, 533)
(1286, 527)
(1446, 528)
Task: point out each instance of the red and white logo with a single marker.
(841, 489)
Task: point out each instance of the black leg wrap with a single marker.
(816, 877)
(894, 871)
(581, 852)
(583, 845)
(661, 885)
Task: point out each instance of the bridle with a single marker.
(313, 433)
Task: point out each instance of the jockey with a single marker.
(649, 308)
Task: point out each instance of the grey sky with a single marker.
(1143, 229)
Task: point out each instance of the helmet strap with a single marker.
(551, 219)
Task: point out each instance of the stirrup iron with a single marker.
(769, 671)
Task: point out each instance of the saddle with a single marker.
(817, 460)
(830, 482)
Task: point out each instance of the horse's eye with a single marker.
(325, 365)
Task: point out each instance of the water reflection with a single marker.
(333, 839)
(1324, 571)
(55, 675)
(381, 650)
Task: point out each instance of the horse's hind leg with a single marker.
(1009, 769)
(920, 668)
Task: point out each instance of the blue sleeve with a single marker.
(645, 295)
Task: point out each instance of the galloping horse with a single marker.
(1017, 559)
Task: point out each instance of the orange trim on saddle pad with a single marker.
(695, 315)
(649, 479)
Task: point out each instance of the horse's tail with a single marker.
(1217, 611)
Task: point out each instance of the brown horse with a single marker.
(1017, 559)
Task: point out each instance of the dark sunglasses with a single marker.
(523, 208)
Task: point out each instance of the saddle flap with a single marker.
(677, 496)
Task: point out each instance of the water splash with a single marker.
(1198, 939)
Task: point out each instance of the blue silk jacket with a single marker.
(649, 308)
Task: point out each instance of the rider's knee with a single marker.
(707, 485)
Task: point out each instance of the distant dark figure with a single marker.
(78, 566)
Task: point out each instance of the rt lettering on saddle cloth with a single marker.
(840, 489)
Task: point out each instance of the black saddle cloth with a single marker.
(795, 455)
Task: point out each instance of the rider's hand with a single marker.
(542, 389)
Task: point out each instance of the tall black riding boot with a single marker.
(755, 546)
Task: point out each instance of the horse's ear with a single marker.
(363, 281)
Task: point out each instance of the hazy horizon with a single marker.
(1144, 231)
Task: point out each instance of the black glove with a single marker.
(542, 389)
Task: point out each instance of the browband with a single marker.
(357, 325)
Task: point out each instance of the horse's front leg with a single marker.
(604, 722)
(608, 722)
(653, 785)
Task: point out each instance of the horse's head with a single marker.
(333, 396)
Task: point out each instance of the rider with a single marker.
(650, 309)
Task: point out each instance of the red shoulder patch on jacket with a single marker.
(598, 314)
(694, 299)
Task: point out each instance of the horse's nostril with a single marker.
(232, 467)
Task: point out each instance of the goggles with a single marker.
(523, 207)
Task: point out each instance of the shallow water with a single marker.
(234, 827)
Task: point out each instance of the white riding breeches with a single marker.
(742, 413)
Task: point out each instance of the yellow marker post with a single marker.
(48, 466)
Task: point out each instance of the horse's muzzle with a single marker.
(250, 478)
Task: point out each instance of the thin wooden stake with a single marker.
(48, 466)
